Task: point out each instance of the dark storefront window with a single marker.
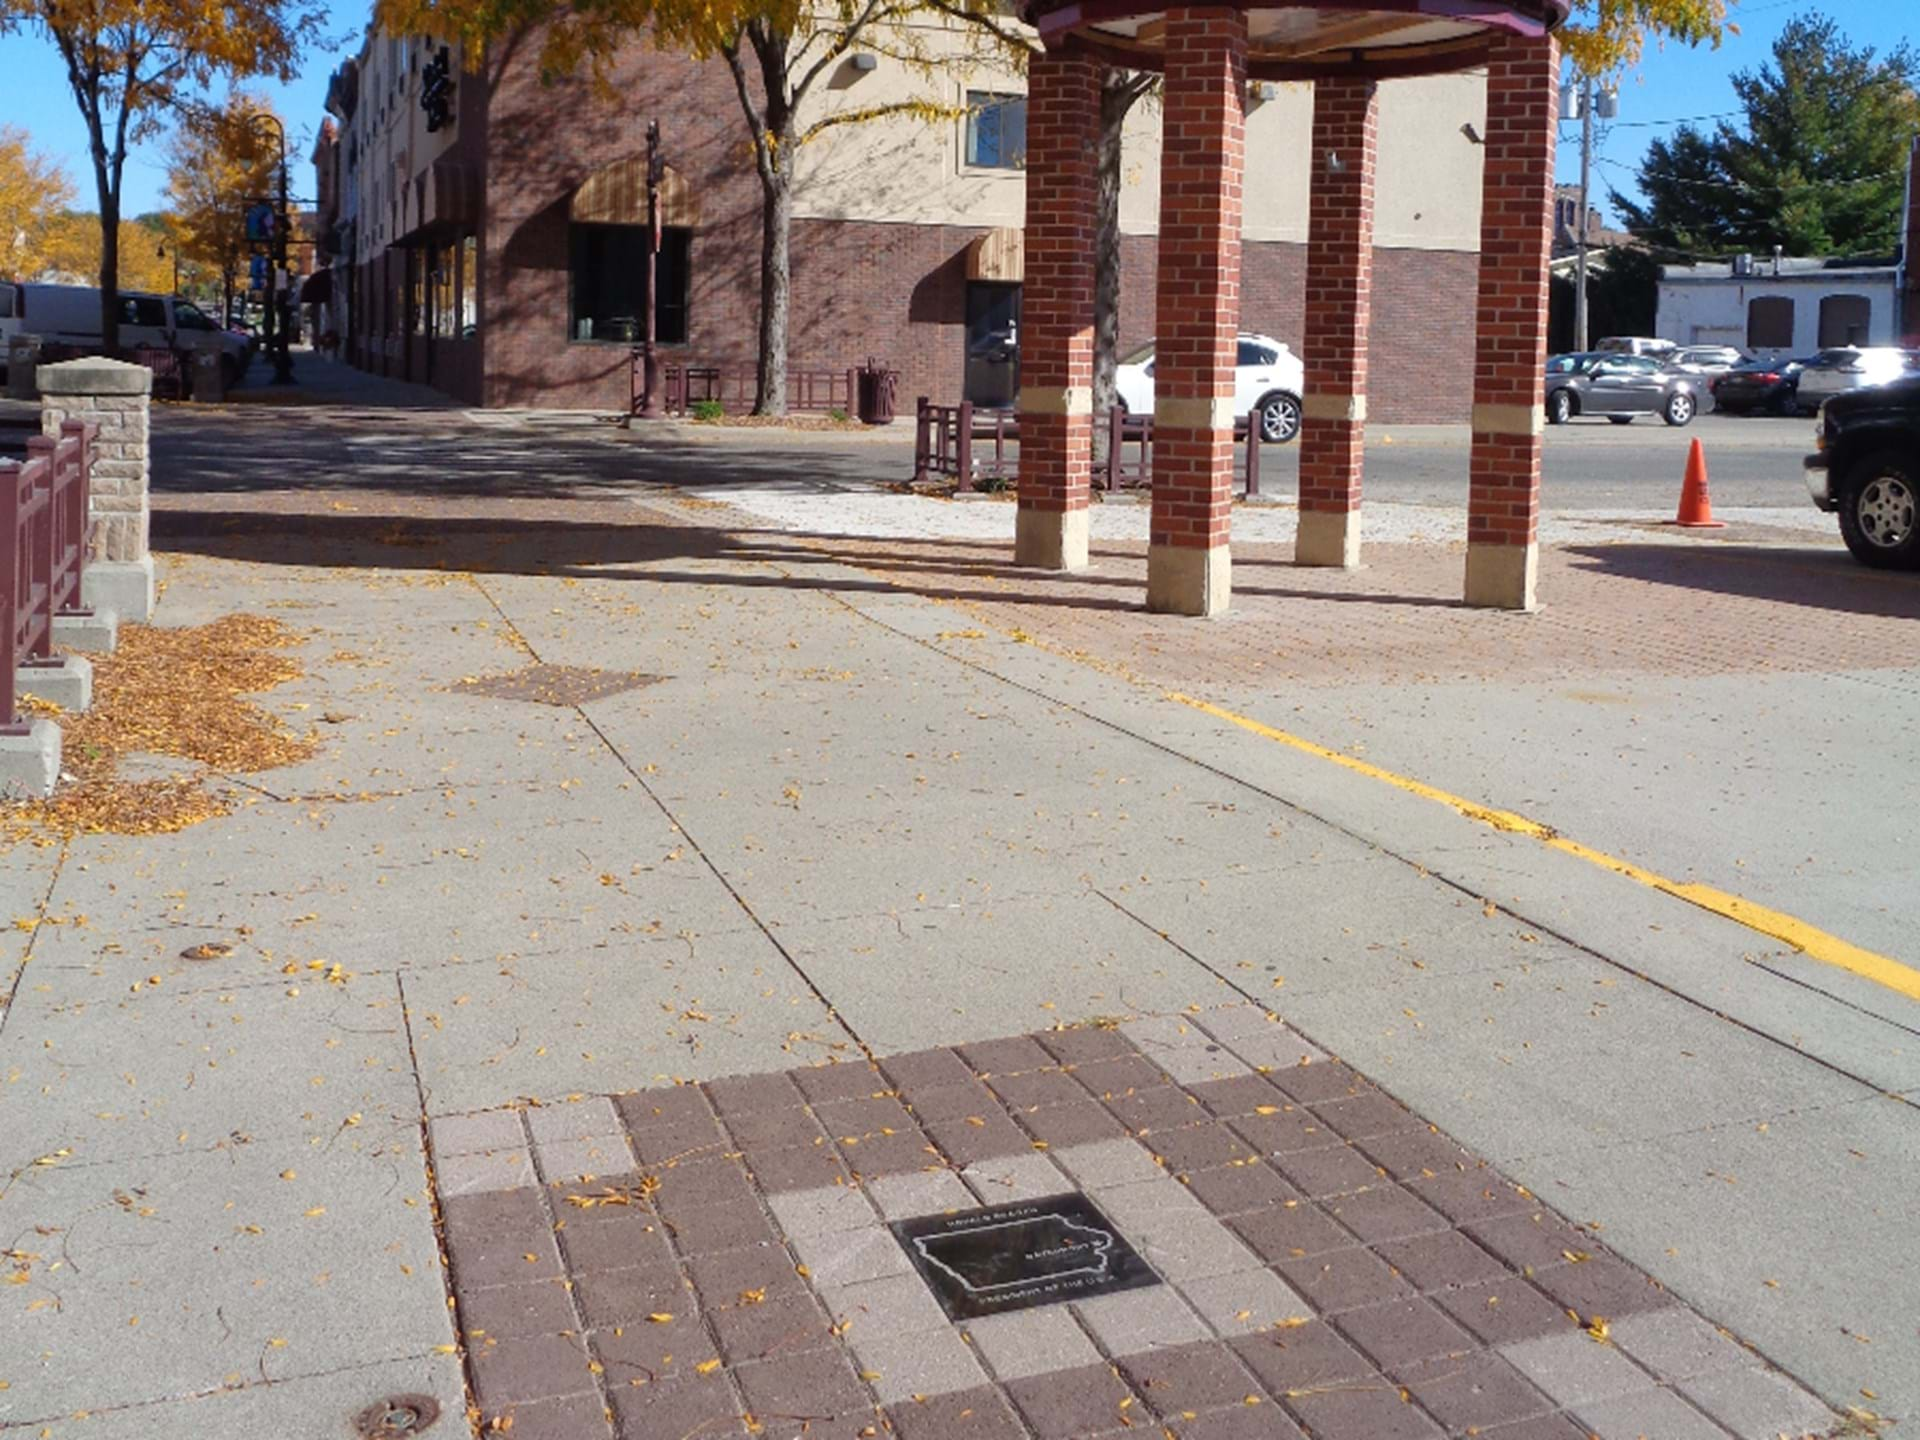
(609, 276)
(416, 292)
(469, 286)
(445, 316)
(996, 131)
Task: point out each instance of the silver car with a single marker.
(1834, 372)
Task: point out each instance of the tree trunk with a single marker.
(1118, 91)
(776, 279)
(109, 271)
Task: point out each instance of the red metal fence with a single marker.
(43, 549)
(975, 447)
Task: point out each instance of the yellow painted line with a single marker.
(1814, 943)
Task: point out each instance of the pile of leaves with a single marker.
(176, 692)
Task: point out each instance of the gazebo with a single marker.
(1346, 48)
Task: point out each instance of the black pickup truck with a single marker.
(1866, 468)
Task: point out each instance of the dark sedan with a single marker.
(1769, 385)
(1620, 387)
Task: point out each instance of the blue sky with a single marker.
(1670, 84)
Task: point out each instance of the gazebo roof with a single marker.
(1310, 39)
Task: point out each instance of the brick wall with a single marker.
(896, 291)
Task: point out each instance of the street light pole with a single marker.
(276, 336)
(652, 403)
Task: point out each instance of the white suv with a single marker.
(1268, 381)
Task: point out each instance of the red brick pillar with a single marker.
(1516, 239)
(1339, 303)
(1198, 310)
(1056, 313)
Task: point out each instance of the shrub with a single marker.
(708, 410)
(837, 415)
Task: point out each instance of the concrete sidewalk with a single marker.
(747, 825)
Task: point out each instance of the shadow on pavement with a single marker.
(506, 543)
(1820, 578)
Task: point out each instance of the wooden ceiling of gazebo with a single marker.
(1305, 39)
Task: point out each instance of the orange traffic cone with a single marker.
(1696, 505)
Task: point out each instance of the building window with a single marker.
(416, 292)
(1844, 320)
(445, 317)
(1770, 323)
(996, 131)
(469, 287)
(609, 278)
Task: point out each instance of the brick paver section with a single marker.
(1330, 1265)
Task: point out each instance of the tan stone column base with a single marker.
(1328, 537)
(1501, 577)
(1050, 539)
(1183, 581)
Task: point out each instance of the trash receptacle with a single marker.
(209, 378)
(874, 405)
(23, 357)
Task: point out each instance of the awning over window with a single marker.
(998, 255)
(317, 288)
(446, 197)
(617, 195)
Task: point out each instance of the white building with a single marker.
(1783, 307)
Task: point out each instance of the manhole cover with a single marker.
(556, 684)
(1030, 1252)
(396, 1416)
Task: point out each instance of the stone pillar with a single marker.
(113, 396)
(1516, 240)
(1198, 310)
(1056, 313)
(1346, 118)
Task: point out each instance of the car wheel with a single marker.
(1559, 407)
(1279, 419)
(1784, 404)
(1679, 409)
(1880, 511)
(1622, 419)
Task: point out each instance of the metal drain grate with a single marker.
(396, 1417)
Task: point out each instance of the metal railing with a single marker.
(808, 391)
(43, 550)
(971, 446)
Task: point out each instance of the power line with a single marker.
(1697, 182)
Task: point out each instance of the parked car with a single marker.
(1636, 345)
(1621, 387)
(1769, 385)
(1834, 372)
(70, 315)
(1268, 381)
(1708, 360)
(1866, 469)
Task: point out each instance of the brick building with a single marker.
(496, 256)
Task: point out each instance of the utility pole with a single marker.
(1580, 337)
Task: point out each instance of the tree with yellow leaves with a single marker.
(72, 254)
(778, 51)
(1605, 37)
(219, 160)
(35, 193)
(130, 63)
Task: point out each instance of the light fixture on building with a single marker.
(1260, 92)
(1473, 135)
(1335, 165)
(863, 61)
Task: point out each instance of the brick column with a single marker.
(1346, 135)
(1198, 310)
(113, 396)
(1056, 313)
(1516, 239)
